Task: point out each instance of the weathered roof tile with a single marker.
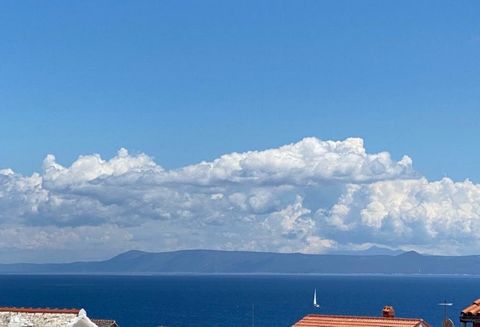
(315, 320)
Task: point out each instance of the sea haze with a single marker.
(237, 262)
(227, 300)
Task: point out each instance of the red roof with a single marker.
(314, 320)
(473, 309)
(40, 310)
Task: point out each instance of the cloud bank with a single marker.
(313, 196)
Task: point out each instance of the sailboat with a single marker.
(315, 304)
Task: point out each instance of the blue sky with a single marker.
(188, 81)
(180, 82)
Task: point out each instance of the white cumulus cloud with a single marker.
(434, 216)
(312, 196)
(308, 162)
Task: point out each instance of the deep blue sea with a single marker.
(271, 300)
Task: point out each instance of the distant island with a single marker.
(242, 262)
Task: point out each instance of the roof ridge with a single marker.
(362, 317)
(40, 310)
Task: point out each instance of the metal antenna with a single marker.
(446, 321)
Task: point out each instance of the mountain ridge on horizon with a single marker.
(373, 250)
(136, 262)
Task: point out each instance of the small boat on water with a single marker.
(315, 304)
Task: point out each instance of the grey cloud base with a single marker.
(313, 196)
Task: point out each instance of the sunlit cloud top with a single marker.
(312, 196)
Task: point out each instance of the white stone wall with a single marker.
(24, 319)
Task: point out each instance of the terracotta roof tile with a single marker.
(104, 323)
(40, 310)
(473, 309)
(314, 320)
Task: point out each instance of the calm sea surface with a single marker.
(171, 301)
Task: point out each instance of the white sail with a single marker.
(315, 304)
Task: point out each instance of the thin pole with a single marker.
(445, 304)
(445, 310)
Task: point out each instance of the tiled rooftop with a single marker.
(104, 323)
(473, 309)
(314, 320)
(40, 310)
(49, 317)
